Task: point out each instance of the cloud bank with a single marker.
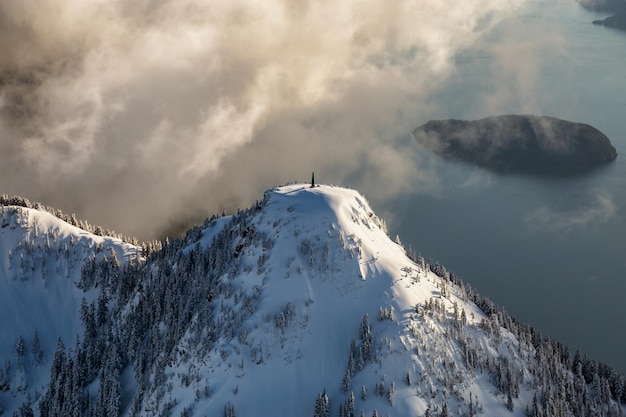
(138, 115)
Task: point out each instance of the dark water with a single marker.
(551, 251)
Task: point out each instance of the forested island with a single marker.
(617, 21)
(519, 144)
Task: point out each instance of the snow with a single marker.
(41, 258)
(316, 261)
(333, 261)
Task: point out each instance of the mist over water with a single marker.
(551, 251)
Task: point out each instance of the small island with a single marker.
(519, 144)
(617, 21)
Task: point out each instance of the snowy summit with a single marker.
(301, 305)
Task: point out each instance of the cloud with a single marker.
(137, 114)
(518, 62)
(601, 209)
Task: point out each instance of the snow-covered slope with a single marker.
(41, 258)
(302, 305)
(305, 294)
(330, 265)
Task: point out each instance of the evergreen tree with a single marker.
(58, 362)
(114, 400)
(229, 410)
(103, 308)
(36, 349)
(351, 367)
(349, 410)
(365, 334)
(322, 407)
(391, 392)
(20, 347)
(26, 410)
(77, 395)
(345, 384)
(509, 401)
(360, 360)
(364, 330)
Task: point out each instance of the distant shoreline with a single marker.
(617, 21)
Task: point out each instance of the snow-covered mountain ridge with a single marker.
(302, 305)
(41, 263)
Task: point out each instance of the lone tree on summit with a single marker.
(313, 179)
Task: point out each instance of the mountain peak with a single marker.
(297, 306)
(322, 202)
(323, 264)
(320, 197)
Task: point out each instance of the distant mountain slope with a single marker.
(302, 305)
(41, 264)
(519, 144)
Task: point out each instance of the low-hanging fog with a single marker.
(142, 115)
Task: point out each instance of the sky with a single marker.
(143, 116)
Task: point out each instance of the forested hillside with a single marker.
(299, 305)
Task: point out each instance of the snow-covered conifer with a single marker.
(103, 307)
(20, 347)
(509, 401)
(26, 410)
(229, 410)
(345, 383)
(322, 407)
(349, 409)
(391, 392)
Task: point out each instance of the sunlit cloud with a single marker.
(137, 113)
(517, 65)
